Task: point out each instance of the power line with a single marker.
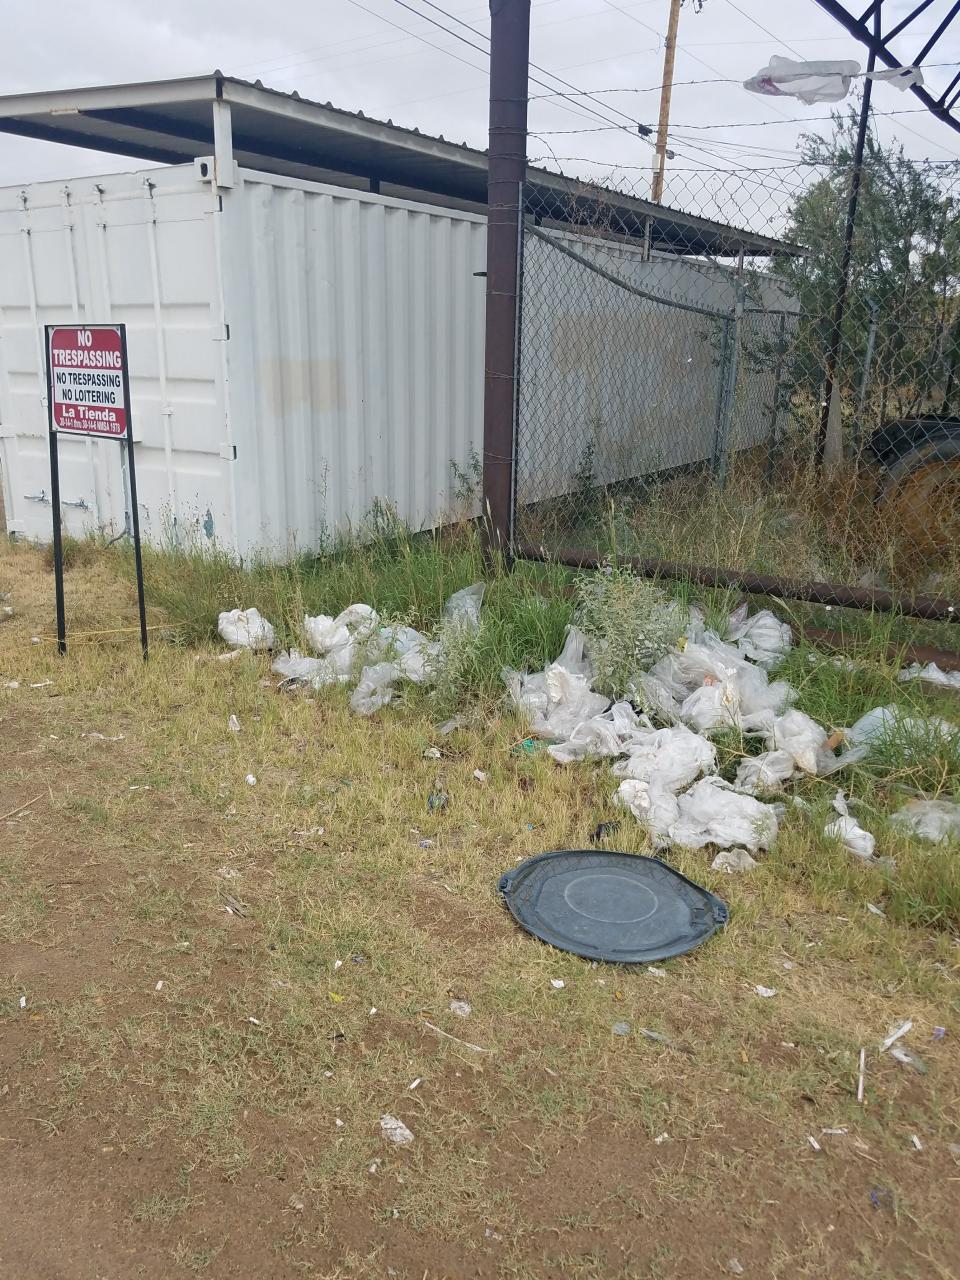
(745, 124)
(765, 30)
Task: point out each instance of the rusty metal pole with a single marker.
(666, 91)
(507, 166)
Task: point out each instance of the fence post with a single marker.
(506, 171)
(728, 385)
(774, 440)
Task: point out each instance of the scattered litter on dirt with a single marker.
(896, 1034)
(102, 737)
(256, 1022)
(861, 1074)
(159, 986)
(734, 1266)
(251, 780)
(655, 971)
(931, 674)
(938, 1033)
(41, 684)
(661, 1138)
(229, 657)
(432, 753)
(917, 1144)
(883, 1198)
(12, 684)
(834, 1133)
(933, 820)
(461, 1008)
(23, 1002)
(765, 992)
(813, 1142)
(394, 1130)
(730, 860)
(656, 1036)
(557, 983)
(788, 965)
(415, 1084)
(233, 724)
(245, 629)
(451, 725)
(479, 775)
(233, 907)
(907, 1059)
(437, 800)
(621, 1028)
(875, 910)
(447, 1036)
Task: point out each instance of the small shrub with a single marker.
(629, 623)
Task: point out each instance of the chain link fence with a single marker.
(673, 362)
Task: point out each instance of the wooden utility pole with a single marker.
(666, 88)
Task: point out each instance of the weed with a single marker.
(629, 623)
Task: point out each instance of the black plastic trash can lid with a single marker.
(611, 906)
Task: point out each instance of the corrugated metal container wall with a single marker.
(129, 248)
(298, 353)
(355, 355)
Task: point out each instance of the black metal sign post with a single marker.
(88, 394)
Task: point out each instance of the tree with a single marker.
(904, 277)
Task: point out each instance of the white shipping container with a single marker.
(297, 352)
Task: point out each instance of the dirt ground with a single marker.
(212, 991)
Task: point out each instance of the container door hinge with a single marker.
(221, 333)
(228, 452)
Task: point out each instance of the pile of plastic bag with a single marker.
(706, 685)
(355, 639)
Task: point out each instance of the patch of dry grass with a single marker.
(357, 914)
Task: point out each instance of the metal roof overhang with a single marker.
(171, 122)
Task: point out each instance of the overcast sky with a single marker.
(371, 55)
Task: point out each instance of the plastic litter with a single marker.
(298, 668)
(557, 983)
(848, 830)
(245, 629)
(559, 698)
(933, 820)
(611, 733)
(463, 607)
(375, 689)
(821, 80)
(762, 638)
(897, 1034)
(730, 860)
(765, 992)
(765, 772)
(395, 1131)
(250, 780)
(711, 812)
(621, 1028)
(907, 1059)
(932, 674)
(233, 724)
(461, 1008)
(611, 906)
(672, 758)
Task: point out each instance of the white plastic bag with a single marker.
(803, 739)
(611, 734)
(318, 672)
(822, 80)
(765, 772)
(931, 674)
(245, 629)
(324, 634)
(934, 820)
(359, 619)
(375, 688)
(762, 638)
(715, 705)
(559, 698)
(463, 607)
(654, 806)
(672, 758)
(730, 860)
(846, 829)
(711, 812)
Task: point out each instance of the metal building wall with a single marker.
(137, 248)
(355, 355)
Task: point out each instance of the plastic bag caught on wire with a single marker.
(245, 629)
(821, 80)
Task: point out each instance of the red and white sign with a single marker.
(88, 380)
